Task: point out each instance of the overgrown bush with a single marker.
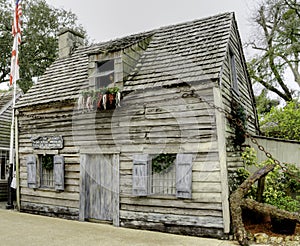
(281, 187)
(282, 122)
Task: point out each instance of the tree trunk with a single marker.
(237, 199)
(260, 189)
(269, 209)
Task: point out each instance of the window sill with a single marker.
(161, 196)
(46, 189)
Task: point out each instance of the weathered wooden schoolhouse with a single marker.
(159, 159)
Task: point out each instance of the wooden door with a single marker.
(99, 197)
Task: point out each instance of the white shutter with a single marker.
(140, 175)
(184, 166)
(31, 171)
(59, 172)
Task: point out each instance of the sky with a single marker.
(108, 19)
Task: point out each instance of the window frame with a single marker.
(34, 171)
(172, 187)
(105, 73)
(49, 172)
(142, 170)
(233, 72)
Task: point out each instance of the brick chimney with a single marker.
(68, 40)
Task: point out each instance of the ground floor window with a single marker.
(165, 174)
(47, 179)
(4, 158)
(45, 171)
(163, 178)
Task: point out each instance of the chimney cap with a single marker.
(65, 30)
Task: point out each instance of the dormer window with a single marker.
(104, 74)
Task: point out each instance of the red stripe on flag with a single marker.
(10, 80)
(16, 31)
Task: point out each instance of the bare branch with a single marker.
(286, 97)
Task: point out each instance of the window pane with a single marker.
(233, 71)
(105, 66)
(104, 81)
(47, 171)
(104, 74)
(163, 178)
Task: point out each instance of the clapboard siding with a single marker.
(244, 97)
(5, 119)
(157, 121)
(50, 121)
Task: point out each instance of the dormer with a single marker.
(111, 64)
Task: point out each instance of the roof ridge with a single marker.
(153, 31)
(198, 20)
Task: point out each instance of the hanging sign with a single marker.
(47, 142)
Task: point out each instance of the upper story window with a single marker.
(233, 74)
(104, 74)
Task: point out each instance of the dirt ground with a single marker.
(267, 228)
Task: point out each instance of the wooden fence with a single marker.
(286, 151)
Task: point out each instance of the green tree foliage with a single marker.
(264, 104)
(39, 47)
(278, 44)
(283, 122)
(280, 188)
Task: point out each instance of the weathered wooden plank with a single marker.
(48, 201)
(205, 221)
(206, 176)
(220, 119)
(45, 194)
(197, 187)
(206, 187)
(61, 211)
(82, 196)
(169, 201)
(116, 189)
(166, 210)
(206, 166)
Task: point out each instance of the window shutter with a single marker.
(184, 164)
(140, 175)
(31, 171)
(59, 172)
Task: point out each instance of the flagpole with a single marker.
(11, 152)
(16, 31)
(11, 148)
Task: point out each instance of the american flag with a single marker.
(16, 32)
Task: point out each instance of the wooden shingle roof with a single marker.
(187, 52)
(5, 99)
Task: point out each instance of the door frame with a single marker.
(115, 186)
